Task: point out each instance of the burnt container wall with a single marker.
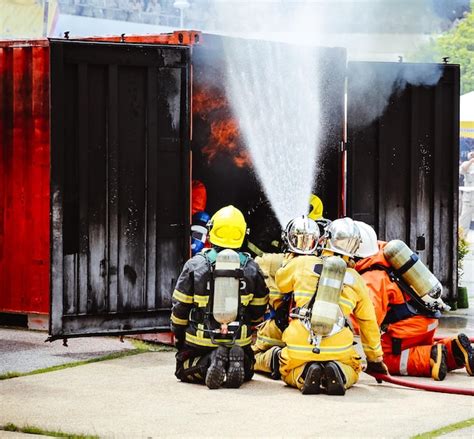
(403, 167)
(220, 158)
(120, 170)
(24, 177)
(329, 181)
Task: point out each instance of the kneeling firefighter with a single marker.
(269, 344)
(219, 295)
(407, 301)
(319, 354)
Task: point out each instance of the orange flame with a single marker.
(225, 138)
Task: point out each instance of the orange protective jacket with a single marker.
(384, 292)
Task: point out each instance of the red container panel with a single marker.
(24, 177)
(25, 168)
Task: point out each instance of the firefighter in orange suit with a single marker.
(219, 295)
(332, 365)
(408, 321)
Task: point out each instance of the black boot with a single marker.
(335, 379)
(275, 363)
(312, 379)
(463, 352)
(216, 373)
(235, 372)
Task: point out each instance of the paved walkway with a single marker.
(138, 397)
(25, 351)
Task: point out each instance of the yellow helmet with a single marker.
(316, 207)
(227, 228)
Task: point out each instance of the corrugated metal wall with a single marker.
(403, 167)
(119, 184)
(24, 177)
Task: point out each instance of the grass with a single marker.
(39, 431)
(446, 430)
(140, 348)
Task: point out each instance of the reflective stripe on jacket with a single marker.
(192, 299)
(299, 277)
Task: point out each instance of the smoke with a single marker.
(274, 91)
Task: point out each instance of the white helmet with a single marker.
(343, 237)
(301, 235)
(368, 246)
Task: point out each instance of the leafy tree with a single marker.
(458, 44)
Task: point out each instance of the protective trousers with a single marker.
(268, 337)
(412, 355)
(192, 364)
(292, 371)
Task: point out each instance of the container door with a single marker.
(119, 185)
(403, 166)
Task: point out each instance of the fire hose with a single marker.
(429, 388)
(471, 339)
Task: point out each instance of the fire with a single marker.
(212, 106)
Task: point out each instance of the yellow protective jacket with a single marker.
(269, 263)
(269, 334)
(298, 276)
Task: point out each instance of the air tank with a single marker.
(325, 311)
(226, 288)
(415, 273)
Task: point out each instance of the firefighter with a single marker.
(315, 207)
(198, 197)
(320, 357)
(199, 232)
(219, 295)
(409, 319)
(269, 344)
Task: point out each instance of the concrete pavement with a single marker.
(25, 351)
(138, 397)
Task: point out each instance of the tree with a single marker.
(458, 45)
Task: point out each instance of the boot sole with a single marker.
(215, 375)
(334, 380)
(312, 382)
(438, 368)
(464, 345)
(235, 372)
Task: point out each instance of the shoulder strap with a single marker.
(415, 300)
(244, 258)
(211, 256)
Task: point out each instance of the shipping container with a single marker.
(101, 138)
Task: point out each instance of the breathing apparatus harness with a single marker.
(304, 314)
(412, 307)
(205, 317)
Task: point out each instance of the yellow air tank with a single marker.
(325, 311)
(226, 289)
(411, 269)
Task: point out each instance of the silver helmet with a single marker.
(343, 237)
(301, 235)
